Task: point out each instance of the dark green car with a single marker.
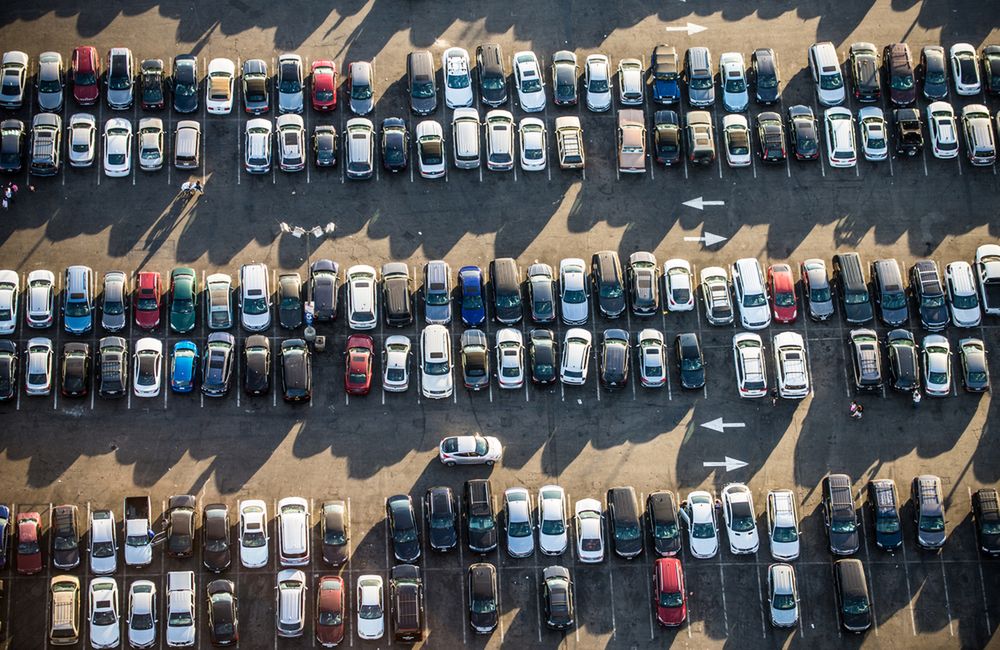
(183, 299)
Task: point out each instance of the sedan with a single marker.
(324, 85)
(82, 144)
(103, 613)
(533, 144)
(219, 86)
(573, 291)
(597, 82)
(473, 305)
(183, 299)
(614, 358)
(396, 364)
(359, 357)
(215, 547)
(38, 367)
(936, 352)
(8, 391)
(699, 515)
(29, 539)
(150, 143)
(289, 83)
(542, 356)
(217, 364)
(519, 526)
(50, 81)
(430, 149)
(541, 293)
(529, 83)
(296, 371)
(147, 363)
(253, 533)
(816, 289)
(403, 527)
(183, 367)
(975, 370)
(256, 87)
(223, 617)
(564, 74)
(142, 614)
(441, 517)
(643, 283)
(589, 530)
(117, 147)
(803, 132)
(736, 137)
(331, 606)
(666, 137)
(781, 286)
(874, 133)
(470, 450)
(652, 358)
(325, 145)
(475, 359)
(510, 358)
(679, 285)
(575, 356)
(457, 77)
(370, 607)
(334, 532)
(75, 368)
(552, 530)
(733, 79)
(290, 300)
(741, 521)
(12, 141)
(184, 82)
(965, 69)
(395, 144)
(13, 79)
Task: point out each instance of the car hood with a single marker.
(103, 565)
(483, 539)
(77, 324)
(217, 559)
(186, 103)
(290, 317)
(369, 628)
(664, 89)
(142, 638)
(114, 322)
(785, 550)
(821, 309)
(437, 313)
(844, 541)
(858, 312)
(180, 635)
(66, 559)
(137, 555)
(441, 538)
(254, 557)
(704, 547)
(329, 634)
(521, 545)
(931, 538)
(706, 96)
(290, 102)
(104, 636)
(575, 312)
(436, 383)
(362, 106)
(693, 378)
(406, 551)
(119, 97)
(670, 546)
(183, 322)
(423, 104)
(785, 617)
(934, 316)
(50, 101)
(767, 95)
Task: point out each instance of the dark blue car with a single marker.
(663, 68)
(183, 367)
(473, 305)
(4, 533)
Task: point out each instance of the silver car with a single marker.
(38, 367)
(782, 595)
(82, 138)
(219, 304)
(150, 143)
(40, 298)
(50, 82)
(396, 364)
(519, 527)
(289, 82)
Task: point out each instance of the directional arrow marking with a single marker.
(690, 28)
(709, 239)
(719, 425)
(699, 203)
(730, 464)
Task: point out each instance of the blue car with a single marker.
(183, 367)
(473, 304)
(4, 534)
(666, 75)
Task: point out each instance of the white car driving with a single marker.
(510, 358)
(142, 614)
(679, 284)
(533, 144)
(117, 147)
(457, 78)
(943, 130)
(874, 133)
(371, 608)
(253, 533)
(575, 356)
(791, 366)
(552, 531)
(528, 81)
(219, 86)
(103, 613)
(396, 364)
(652, 358)
(698, 513)
(589, 531)
(470, 450)
(936, 351)
(573, 291)
(736, 136)
(147, 366)
(82, 140)
(740, 518)
(597, 82)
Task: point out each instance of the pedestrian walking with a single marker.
(8, 193)
(197, 188)
(774, 396)
(4, 203)
(856, 410)
(916, 397)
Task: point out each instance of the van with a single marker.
(255, 297)
(64, 597)
(890, 293)
(406, 591)
(437, 293)
(187, 145)
(421, 83)
(293, 531)
(505, 280)
(825, 69)
(396, 294)
(853, 605)
(839, 514)
(928, 511)
(492, 74)
(700, 76)
(623, 515)
(78, 304)
(979, 143)
(465, 134)
(700, 139)
(854, 298)
(609, 283)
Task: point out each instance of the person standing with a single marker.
(856, 410)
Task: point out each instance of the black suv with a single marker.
(608, 283)
(480, 518)
(440, 511)
(483, 598)
(492, 75)
(863, 60)
(690, 362)
(614, 357)
(986, 512)
(557, 594)
(909, 133)
(884, 503)
(623, 519)
(890, 293)
(904, 360)
(12, 136)
(661, 520)
(839, 514)
(928, 290)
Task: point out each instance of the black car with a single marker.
(557, 597)
(608, 283)
(890, 293)
(986, 514)
(75, 369)
(475, 359)
(256, 87)
(855, 299)
(624, 521)
(479, 516)
(290, 300)
(543, 356)
(65, 533)
(990, 58)
(505, 282)
(564, 82)
(152, 84)
(899, 70)
(484, 598)
(541, 293)
(803, 133)
(217, 364)
(397, 303)
(904, 360)
(325, 145)
(223, 615)
(643, 284)
(908, 131)
(884, 503)
(296, 371)
(12, 135)
(690, 362)
(666, 137)
(767, 80)
(771, 135)
(178, 522)
(8, 370)
(661, 520)
(441, 513)
(395, 144)
(614, 358)
(839, 514)
(492, 74)
(928, 291)
(334, 532)
(402, 523)
(216, 552)
(975, 372)
(257, 365)
(863, 60)
(853, 605)
(184, 82)
(324, 285)
(934, 70)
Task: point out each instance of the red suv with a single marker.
(86, 75)
(147, 300)
(358, 374)
(330, 611)
(782, 289)
(29, 550)
(324, 85)
(668, 591)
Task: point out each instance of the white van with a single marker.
(187, 144)
(255, 297)
(825, 68)
(293, 531)
(435, 362)
(465, 135)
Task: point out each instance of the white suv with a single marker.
(782, 525)
(751, 293)
(435, 362)
(791, 366)
(751, 371)
(291, 143)
(841, 148)
(963, 299)
(575, 356)
(499, 140)
(255, 297)
(943, 130)
(362, 309)
(293, 531)
(257, 146)
(741, 520)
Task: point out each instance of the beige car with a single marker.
(569, 141)
(631, 141)
(64, 594)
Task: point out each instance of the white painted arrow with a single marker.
(690, 28)
(719, 425)
(709, 239)
(699, 203)
(730, 464)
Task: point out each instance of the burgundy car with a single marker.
(330, 611)
(899, 72)
(358, 374)
(86, 75)
(29, 548)
(148, 294)
(668, 591)
(324, 85)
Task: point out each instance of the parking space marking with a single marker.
(725, 612)
(868, 560)
(761, 597)
(947, 600)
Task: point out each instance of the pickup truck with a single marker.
(138, 546)
(988, 274)
(180, 609)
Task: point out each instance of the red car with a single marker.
(782, 288)
(29, 550)
(358, 374)
(86, 75)
(148, 294)
(668, 591)
(330, 611)
(324, 84)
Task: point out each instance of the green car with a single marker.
(183, 299)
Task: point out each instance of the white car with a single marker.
(362, 305)
(988, 276)
(943, 130)
(142, 614)
(529, 83)
(82, 140)
(679, 285)
(180, 609)
(290, 605)
(292, 521)
(436, 381)
(874, 133)
(39, 298)
(841, 150)
(573, 291)
(430, 149)
(791, 367)
(150, 143)
(936, 351)
(457, 78)
(782, 595)
(117, 147)
(253, 533)
(38, 367)
(470, 450)
(736, 134)
(715, 291)
(597, 82)
(499, 140)
(534, 145)
(13, 79)
(575, 356)
(963, 299)
(510, 358)
(652, 358)
(733, 79)
(751, 370)
(698, 513)
(552, 535)
(751, 293)
(741, 520)
(257, 146)
(371, 608)
(965, 69)
(630, 82)
(103, 543)
(219, 86)
(10, 290)
(103, 613)
(147, 365)
(291, 136)
(589, 531)
(519, 529)
(396, 364)
(782, 525)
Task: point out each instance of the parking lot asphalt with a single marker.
(92, 452)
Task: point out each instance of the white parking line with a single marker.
(871, 580)
(725, 613)
(979, 562)
(947, 600)
(762, 597)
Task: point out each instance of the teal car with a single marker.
(183, 299)
(183, 367)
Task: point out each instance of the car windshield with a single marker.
(553, 527)
(183, 305)
(395, 374)
(361, 91)
(223, 629)
(626, 532)
(903, 82)
(180, 543)
(104, 617)
(436, 367)
(481, 523)
(431, 151)
(330, 618)
(404, 535)
(104, 549)
(457, 81)
(693, 363)
(254, 539)
(184, 89)
(754, 300)
(831, 81)
(141, 621)
(290, 84)
(324, 95)
(609, 290)
(82, 78)
(856, 605)
(147, 304)
(508, 300)
(27, 548)
(255, 306)
(598, 86)
(819, 295)
(784, 299)
(737, 85)
(180, 619)
(370, 612)
(574, 297)
(844, 526)
(216, 544)
(119, 82)
(767, 81)
(544, 370)
(290, 302)
(933, 301)
(443, 522)
(423, 90)
(701, 83)
(437, 298)
(969, 301)
(783, 601)
(887, 524)
(61, 543)
(532, 85)
(932, 524)
(671, 599)
(357, 377)
(855, 297)
(77, 309)
(991, 528)
(518, 529)
(49, 86)
(937, 378)
(742, 524)
(784, 534)
(393, 155)
(702, 531)
(151, 90)
(483, 606)
(665, 530)
(566, 91)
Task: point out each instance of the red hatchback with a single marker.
(668, 591)
(324, 85)
(782, 289)
(86, 75)
(147, 300)
(358, 374)
(330, 611)
(29, 548)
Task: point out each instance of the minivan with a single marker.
(294, 530)
(465, 134)
(854, 298)
(853, 605)
(492, 75)
(398, 307)
(480, 519)
(437, 292)
(187, 144)
(406, 591)
(623, 520)
(979, 142)
(78, 304)
(839, 514)
(928, 511)
(890, 293)
(505, 281)
(421, 83)
(64, 596)
(699, 76)
(255, 297)
(609, 283)
(824, 65)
